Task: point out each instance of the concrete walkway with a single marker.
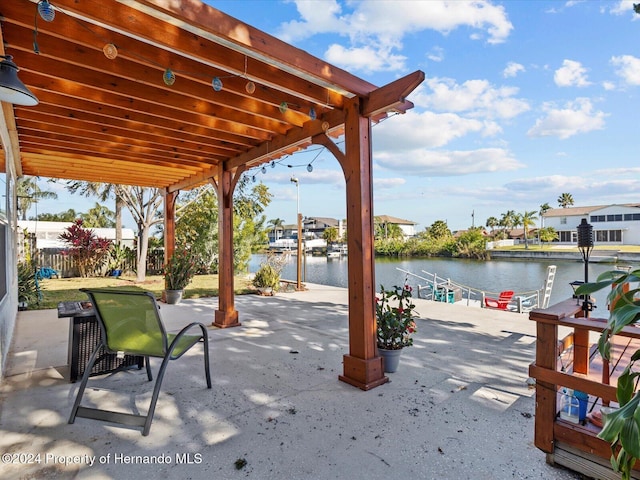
(459, 406)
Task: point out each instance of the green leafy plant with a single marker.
(118, 255)
(180, 270)
(394, 317)
(267, 276)
(622, 426)
(27, 285)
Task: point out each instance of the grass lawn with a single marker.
(57, 290)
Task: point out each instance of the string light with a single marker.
(110, 51)
(309, 168)
(216, 83)
(46, 11)
(325, 126)
(263, 170)
(169, 77)
(273, 164)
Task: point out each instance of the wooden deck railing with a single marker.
(599, 383)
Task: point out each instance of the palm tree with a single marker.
(508, 221)
(544, 208)
(527, 220)
(29, 192)
(492, 223)
(276, 224)
(565, 200)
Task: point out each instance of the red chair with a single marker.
(501, 302)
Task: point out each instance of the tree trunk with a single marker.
(119, 203)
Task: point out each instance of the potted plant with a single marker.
(621, 426)
(395, 323)
(116, 259)
(178, 273)
(266, 279)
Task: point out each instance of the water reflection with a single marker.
(490, 276)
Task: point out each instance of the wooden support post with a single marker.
(226, 315)
(362, 366)
(546, 393)
(169, 230)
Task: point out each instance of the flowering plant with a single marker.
(179, 270)
(394, 317)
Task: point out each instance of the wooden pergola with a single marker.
(193, 96)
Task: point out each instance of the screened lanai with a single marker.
(173, 95)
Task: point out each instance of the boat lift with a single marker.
(445, 290)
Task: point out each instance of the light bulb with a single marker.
(110, 51)
(325, 126)
(312, 113)
(253, 179)
(46, 11)
(263, 169)
(309, 168)
(250, 87)
(216, 83)
(284, 107)
(169, 77)
(273, 164)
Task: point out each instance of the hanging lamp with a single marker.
(12, 90)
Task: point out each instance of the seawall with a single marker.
(597, 256)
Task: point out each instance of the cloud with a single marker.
(384, 183)
(365, 59)
(426, 130)
(431, 163)
(571, 74)
(478, 98)
(512, 69)
(628, 68)
(577, 117)
(622, 7)
(381, 26)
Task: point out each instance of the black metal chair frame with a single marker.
(143, 421)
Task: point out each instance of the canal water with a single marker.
(489, 276)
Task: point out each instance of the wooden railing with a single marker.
(550, 431)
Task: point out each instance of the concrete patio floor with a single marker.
(459, 406)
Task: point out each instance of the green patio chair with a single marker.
(131, 324)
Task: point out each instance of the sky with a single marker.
(522, 101)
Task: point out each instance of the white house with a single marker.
(617, 224)
(48, 233)
(407, 226)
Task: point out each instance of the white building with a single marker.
(612, 224)
(48, 233)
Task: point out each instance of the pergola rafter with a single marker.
(117, 121)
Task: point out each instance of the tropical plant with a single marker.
(492, 223)
(29, 192)
(179, 270)
(268, 275)
(395, 318)
(547, 234)
(622, 426)
(277, 224)
(118, 255)
(565, 200)
(27, 284)
(330, 234)
(87, 249)
(527, 219)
